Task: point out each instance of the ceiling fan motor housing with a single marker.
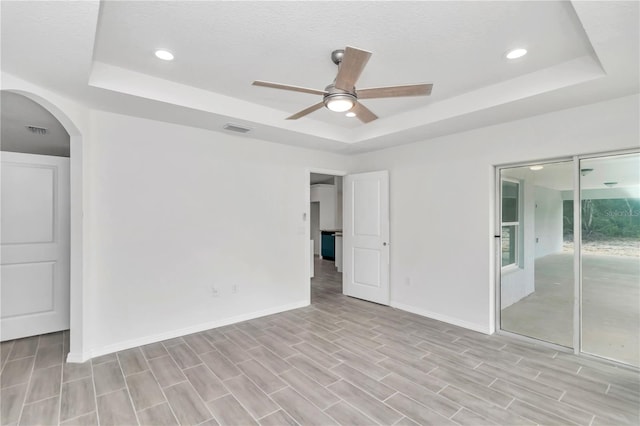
(337, 55)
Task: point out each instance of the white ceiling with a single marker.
(101, 53)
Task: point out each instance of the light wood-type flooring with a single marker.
(339, 361)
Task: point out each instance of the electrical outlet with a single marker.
(235, 288)
(214, 292)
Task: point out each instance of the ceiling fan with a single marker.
(341, 95)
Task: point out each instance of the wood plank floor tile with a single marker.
(417, 412)
(366, 403)
(44, 412)
(184, 356)
(279, 418)
(205, 382)
(313, 370)
(345, 414)
(228, 411)
(220, 365)
(186, 404)
(78, 398)
(44, 383)
(145, 390)
(108, 377)
(154, 350)
(159, 415)
(270, 360)
(309, 388)
(261, 376)
(115, 409)
(16, 372)
(251, 397)
(166, 371)
(300, 409)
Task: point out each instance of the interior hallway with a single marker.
(338, 361)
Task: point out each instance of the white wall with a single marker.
(339, 181)
(548, 215)
(315, 226)
(175, 214)
(327, 196)
(442, 202)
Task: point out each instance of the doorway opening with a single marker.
(36, 222)
(325, 231)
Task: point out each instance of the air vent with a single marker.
(37, 130)
(236, 128)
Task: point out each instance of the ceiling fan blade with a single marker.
(288, 87)
(395, 91)
(353, 62)
(363, 113)
(306, 111)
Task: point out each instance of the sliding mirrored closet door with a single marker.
(610, 257)
(537, 283)
(582, 292)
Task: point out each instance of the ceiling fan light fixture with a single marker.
(350, 114)
(340, 102)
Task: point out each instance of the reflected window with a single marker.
(510, 222)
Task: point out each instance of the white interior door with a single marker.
(366, 236)
(34, 290)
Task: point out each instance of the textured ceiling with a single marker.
(101, 53)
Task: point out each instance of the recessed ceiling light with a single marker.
(165, 55)
(516, 53)
(350, 114)
(536, 167)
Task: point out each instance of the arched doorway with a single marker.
(75, 189)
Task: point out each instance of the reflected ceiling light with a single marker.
(516, 53)
(610, 184)
(536, 167)
(165, 55)
(585, 172)
(340, 102)
(350, 114)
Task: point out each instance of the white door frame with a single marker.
(306, 216)
(78, 351)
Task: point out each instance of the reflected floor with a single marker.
(611, 305)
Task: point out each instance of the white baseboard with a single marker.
(440, 317)
(76, 357)
(133, 343)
